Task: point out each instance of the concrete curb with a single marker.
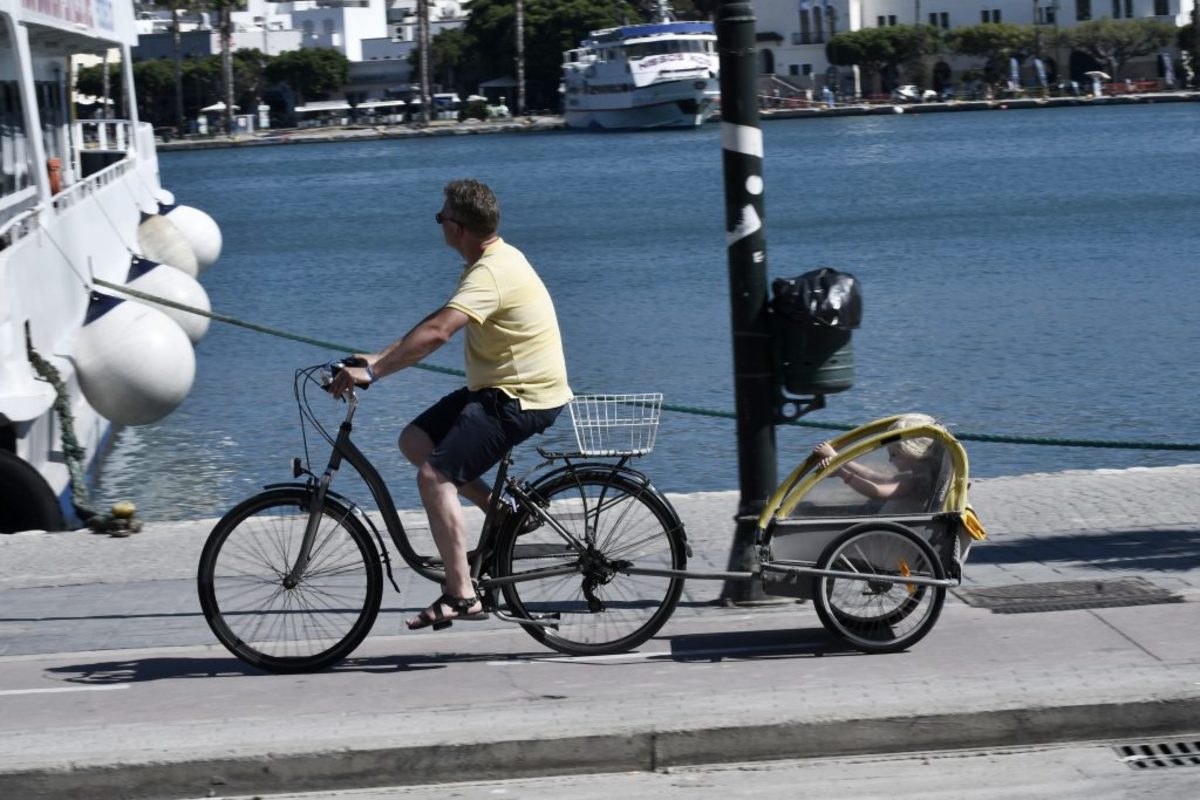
(618, 751)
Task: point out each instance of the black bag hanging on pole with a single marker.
(814, 316)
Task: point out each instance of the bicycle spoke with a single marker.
(597, 610)
(879, 611)
(249, 604)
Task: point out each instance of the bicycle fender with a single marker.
(308, 489)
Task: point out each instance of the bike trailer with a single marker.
(871, 563)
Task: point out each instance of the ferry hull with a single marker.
(655, 107)
(87, 228)
(78, 195)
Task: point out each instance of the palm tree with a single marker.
(520, 12)
(225, 9)
(177, 9)
(423, 45)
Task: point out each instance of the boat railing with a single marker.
(86, 187)
(104, 134)
(21, 225)
(25, 221)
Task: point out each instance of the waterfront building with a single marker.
(792, 34)
(263, 25)
(377, 36)
(401, 38)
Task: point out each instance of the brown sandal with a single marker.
(433, 615)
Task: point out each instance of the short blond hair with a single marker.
(917, 447)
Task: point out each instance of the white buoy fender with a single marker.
(171, 284)
(135, 364)
(161, 241)
(200, 230)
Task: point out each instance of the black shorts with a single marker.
(471, 431)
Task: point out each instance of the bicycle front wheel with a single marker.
(282, 628)
(882, 613)
(585, 592)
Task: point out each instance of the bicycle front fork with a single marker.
(316, 507)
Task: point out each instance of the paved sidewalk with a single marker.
(101, 646)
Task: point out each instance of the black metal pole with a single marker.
(754, 387)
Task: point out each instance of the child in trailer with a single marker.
(907, 487)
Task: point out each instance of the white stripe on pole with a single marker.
(742, 139)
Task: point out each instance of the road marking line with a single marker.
(65, 689)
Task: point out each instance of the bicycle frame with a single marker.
(345, 450)
(553, 539)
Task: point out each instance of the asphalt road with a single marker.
(111, 684)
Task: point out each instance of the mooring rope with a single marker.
(120, 521)
(1041, 441)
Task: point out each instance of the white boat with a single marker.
(662, 74)
(82, 216)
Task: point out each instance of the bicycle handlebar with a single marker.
(338, 365)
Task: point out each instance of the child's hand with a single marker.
(826, 452)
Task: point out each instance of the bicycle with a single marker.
(588, 556)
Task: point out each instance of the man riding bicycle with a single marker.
(516, 383)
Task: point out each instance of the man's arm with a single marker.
(426, 336)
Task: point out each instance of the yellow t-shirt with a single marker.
(512, 343)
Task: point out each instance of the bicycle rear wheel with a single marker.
(311, 625)
(882, 614)
(590, 605)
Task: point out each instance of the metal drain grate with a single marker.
(1160, 754)
(1023, 598)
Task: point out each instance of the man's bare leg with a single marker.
(416, 446)
(447, 522)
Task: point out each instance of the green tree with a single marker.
(1189, 43)
(154, 81)
(551, 26)
(697, 9)
(90, 80)
(312, 72)
(883, 50)
(1115, 42)
(225, 9)
(177, 8)
(1189, 36)
(995, 42)
(249, 70)
(202, 81)
(450, 51)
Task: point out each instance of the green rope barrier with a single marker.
(1041, 441)
(295, 337)
(967, 437)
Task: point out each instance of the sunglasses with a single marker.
(441, 219)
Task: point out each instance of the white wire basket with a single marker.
(616, 424)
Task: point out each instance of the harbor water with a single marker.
(1023, 273)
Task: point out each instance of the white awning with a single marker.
(323, 105)
(383, 104)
